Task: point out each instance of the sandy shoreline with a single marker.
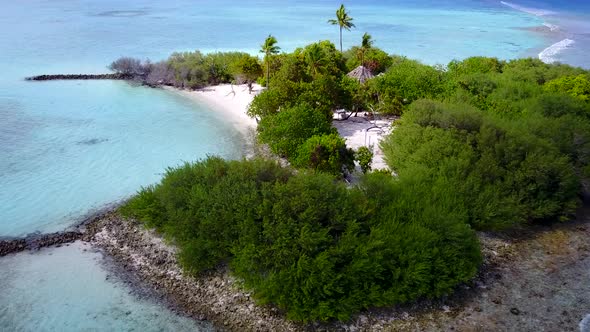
(231, 101)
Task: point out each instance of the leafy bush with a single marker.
(288, 129)
(307, 243)
(195, 69)
(473, 65)
(364, 156)
(376, 60)
(204, 206)
(506, 174)
(405, 82)
(265, 103)
(575, 86)
(319, 259)
(325, 153)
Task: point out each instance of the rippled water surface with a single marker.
(73, 292)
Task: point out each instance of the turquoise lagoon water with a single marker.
(68, 148)
(79, 296)
(71, 147)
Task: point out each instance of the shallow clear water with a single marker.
(77, 296)
(67, 148)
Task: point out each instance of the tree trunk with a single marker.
(340, 39)
(267, 71)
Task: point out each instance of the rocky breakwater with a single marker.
(83, 231)
(117, 76)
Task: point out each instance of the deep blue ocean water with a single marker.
(68, 148)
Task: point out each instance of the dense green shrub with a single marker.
(498, 143)
(325, 153)
(575, 86)
(319, 258)
(266, 103)
(376, 60)
(364, 156)
(195, 69)
(306, 242)
(475, 65)
(288, 129)
(204, 206)
(406, 81)
(506, 174)
(555, 105)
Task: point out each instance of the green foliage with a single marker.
(506, 174)
(196, 70)
(307, 243)
(312, 75)
(555, 105)
(289, 128)
(307, 87)
(575, 86)
(473, 65)
(375, 59)
(404, 82)
(266, 103)
(364, 156)
(205, 205)
(247, 69)
(325, 153)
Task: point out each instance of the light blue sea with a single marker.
(69, 148)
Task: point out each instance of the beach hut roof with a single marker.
(361, 73)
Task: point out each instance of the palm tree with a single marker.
(269, 48)
(366, 45)
(343, 21)
(316, 60)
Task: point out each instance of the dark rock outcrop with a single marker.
(55, 77)
(83, 231)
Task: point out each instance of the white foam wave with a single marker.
(548, 54)
(534, 11)
(585, 324)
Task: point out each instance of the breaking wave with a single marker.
(548, 54)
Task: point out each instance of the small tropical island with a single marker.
(380, 193)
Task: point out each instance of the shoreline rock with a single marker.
(84, 230)
(56, 77)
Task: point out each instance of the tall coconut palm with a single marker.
(316, 60)
(366, 45)
(269, 48)
(343, 21)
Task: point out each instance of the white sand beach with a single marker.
(231, 100)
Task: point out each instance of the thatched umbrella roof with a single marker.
(361, 73)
